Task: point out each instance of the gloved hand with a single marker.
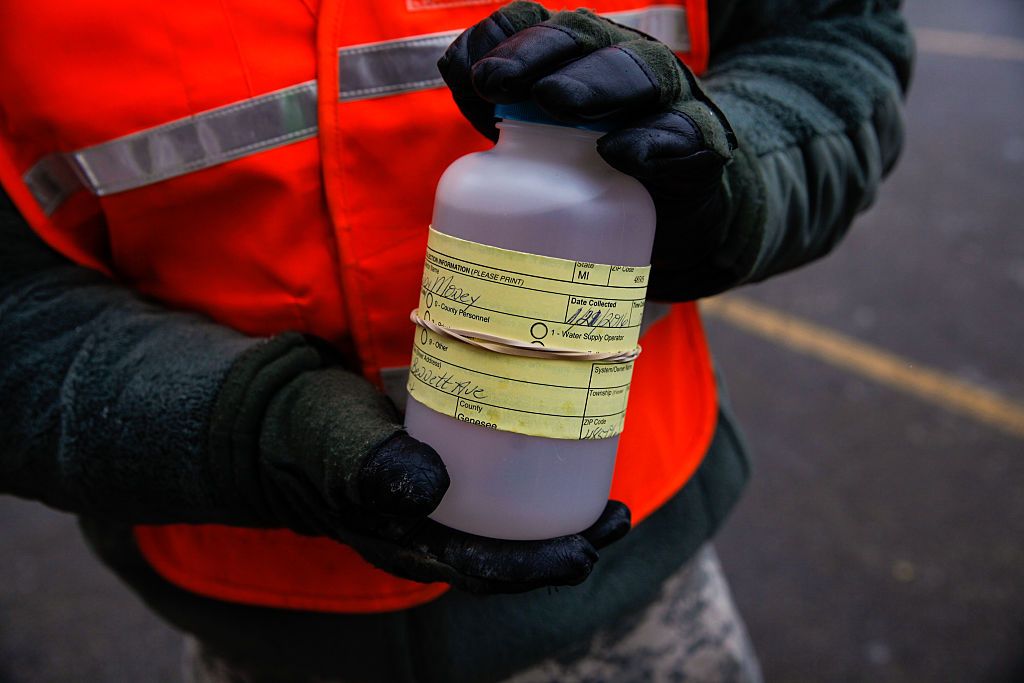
(581, 68)
(333, 460)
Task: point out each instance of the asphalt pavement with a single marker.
(881, 537)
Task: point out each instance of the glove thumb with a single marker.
(402, 476)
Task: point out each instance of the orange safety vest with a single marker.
(273, 165)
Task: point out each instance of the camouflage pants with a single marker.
(691, 633)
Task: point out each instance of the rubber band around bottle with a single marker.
(511, 347)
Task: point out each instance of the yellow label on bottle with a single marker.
(559, 399)
(546, 302)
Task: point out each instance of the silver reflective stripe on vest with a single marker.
(191, 144)
(391, 67)
(51, 180)
(409, 64)
(200, 141)
(220, 135)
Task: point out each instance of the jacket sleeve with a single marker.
(107, 400)
(813, 90)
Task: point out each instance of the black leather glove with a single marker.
(580, 68)
(332, 460)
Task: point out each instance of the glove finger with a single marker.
(472, 44)
(402, 476)
(475, 42)
(487, 565)
(507, 73)
(611, 82)
(613, 524)
(653, 144)
(666, 151)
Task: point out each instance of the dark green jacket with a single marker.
(106, 399)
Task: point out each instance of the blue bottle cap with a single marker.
(530, 112)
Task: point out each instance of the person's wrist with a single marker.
(250, 386)
(705, 249)
(333, 458)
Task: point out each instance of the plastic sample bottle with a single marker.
(543, 189)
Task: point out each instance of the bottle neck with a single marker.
(538, 140)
